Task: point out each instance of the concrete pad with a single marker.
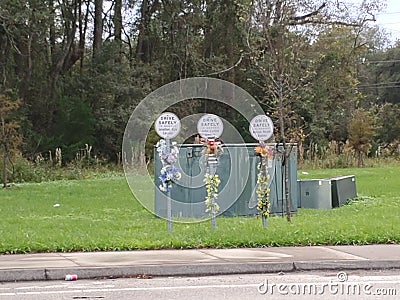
(150, 257)
(315, 253)
(40, 260)
(243, 254)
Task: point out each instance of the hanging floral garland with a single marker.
(212, 183)
(212, 148)
(263, 191)
(169, 172)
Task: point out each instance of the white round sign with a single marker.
(167, 125)
(261, 127)
(210, 126)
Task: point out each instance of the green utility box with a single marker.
(237, 170)
(343, 189)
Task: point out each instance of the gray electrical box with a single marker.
(315, 193)
(237, 170)
(326, 193)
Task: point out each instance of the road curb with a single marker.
(347, 265)
(150, 270)
(189, 270)
(22, 275)
(172, 270)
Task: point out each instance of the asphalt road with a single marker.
(298, 285)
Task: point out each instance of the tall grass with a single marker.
(337, 155)
(22, 170)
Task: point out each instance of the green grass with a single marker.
(101, 214)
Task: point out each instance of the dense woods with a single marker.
(72, 71)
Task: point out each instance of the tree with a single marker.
(388, 121)
(382, 76)
(361, 131)
(333, 93)
(9, 137)
(145, 44)
(280, 36)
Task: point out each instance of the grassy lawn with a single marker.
(101, 214)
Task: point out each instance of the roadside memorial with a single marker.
(167, 126)
(261, 128)
(210, 128)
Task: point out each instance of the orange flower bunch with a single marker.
(264, 151)
(212, 146)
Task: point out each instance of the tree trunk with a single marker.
(118, 27)
(52, 34)
(24, 64)
(287, 192)
(285, 152)
(4, 146)
(144, 44)
(229, 48)
(83, 25)
(68, 55)
(98, 28)
(359, 160)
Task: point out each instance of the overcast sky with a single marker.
(390, 18)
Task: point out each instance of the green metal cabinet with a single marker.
(237, 169)
(343, 189)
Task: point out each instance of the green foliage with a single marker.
(25, 171)
(361, 131)
(151, 139)
(73, 127)
(10, 138)
(71, 97)
(388, 120)
(9, 106)
(381, 77)
(330, 98)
